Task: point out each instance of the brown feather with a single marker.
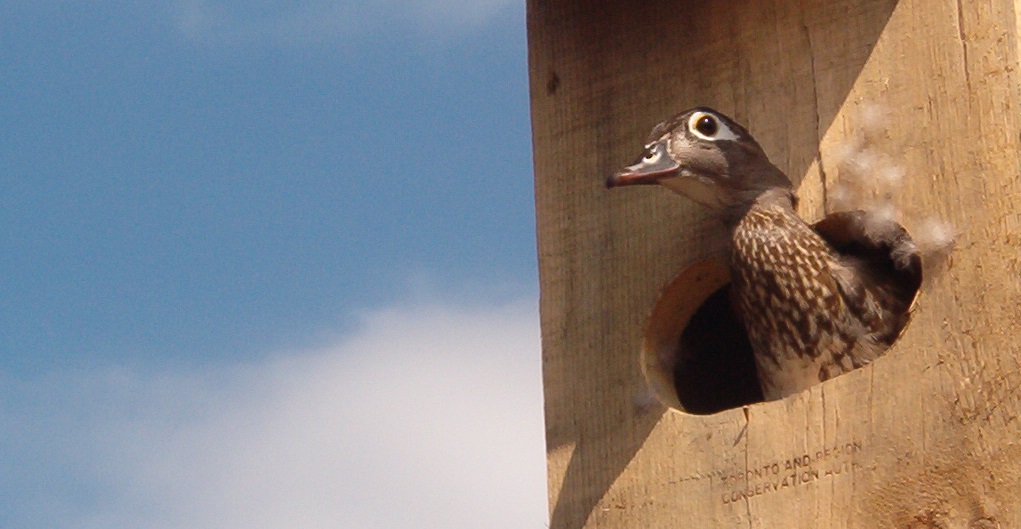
(811, 312)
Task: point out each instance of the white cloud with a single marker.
(425, 417)
(304, 21)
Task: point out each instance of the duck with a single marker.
(815, 302)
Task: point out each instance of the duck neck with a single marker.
(782, 197)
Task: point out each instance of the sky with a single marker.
(267, 264)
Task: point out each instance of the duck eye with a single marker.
(707, 125)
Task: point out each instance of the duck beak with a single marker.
(653, 166)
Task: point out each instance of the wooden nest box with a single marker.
(928, 436)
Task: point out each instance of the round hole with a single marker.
(695, 353)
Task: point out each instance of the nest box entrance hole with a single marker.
(696, 355)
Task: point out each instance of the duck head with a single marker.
(707, 157)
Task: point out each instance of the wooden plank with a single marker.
(926, 437)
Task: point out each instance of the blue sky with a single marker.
(267, 261)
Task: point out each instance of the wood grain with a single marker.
(925, 437)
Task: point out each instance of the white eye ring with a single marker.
(723, 132)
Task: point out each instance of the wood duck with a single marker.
(813, 308)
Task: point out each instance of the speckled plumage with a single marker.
(810, 312)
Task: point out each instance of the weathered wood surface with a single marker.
(925, 437)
